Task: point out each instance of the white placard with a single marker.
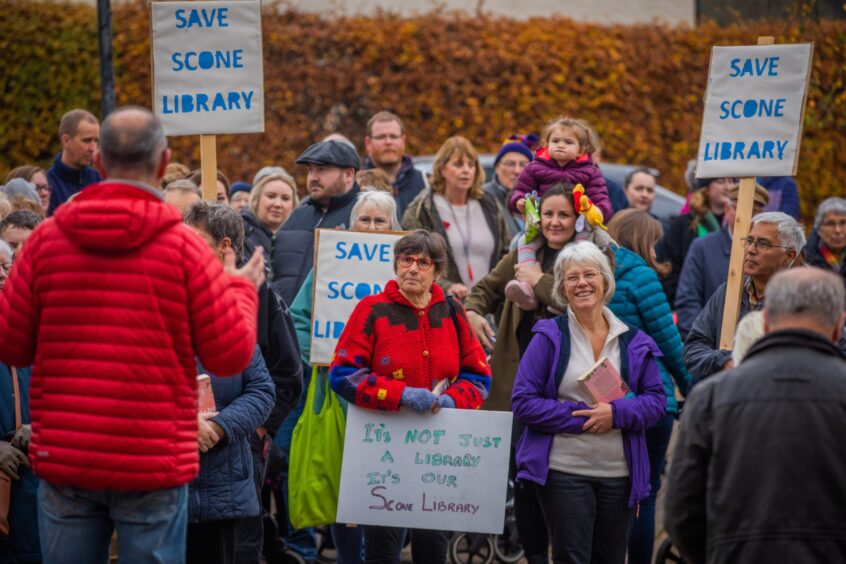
(208, 75)
(754, 106)
(447, 471)
(348, 266)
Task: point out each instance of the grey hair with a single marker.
(381, 200)
(829, 205)
(582, 253)
(5, 248)
(806, 292)
(749, 330)
(132, 147)
(790, 232)
(183, 185)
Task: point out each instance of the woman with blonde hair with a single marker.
(640, 302)
(272, 200)
(457, 207)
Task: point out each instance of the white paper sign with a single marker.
(447, 471)
(348, 266)
(754, 106)
(208, 75)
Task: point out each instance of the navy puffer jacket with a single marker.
(224, 488)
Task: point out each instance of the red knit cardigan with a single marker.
(389, 344)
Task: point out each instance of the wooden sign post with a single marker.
(208, 73)
(208, 166)
(752, 126)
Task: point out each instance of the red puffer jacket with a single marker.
(110, 301)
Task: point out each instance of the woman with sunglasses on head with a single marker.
(395, 349)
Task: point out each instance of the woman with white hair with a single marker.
(587, 459)
(826, 246)
(373, 211)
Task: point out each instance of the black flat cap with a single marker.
(333, 153)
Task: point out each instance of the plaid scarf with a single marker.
(831, 259)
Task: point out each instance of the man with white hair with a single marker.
(774, 243)
(759, 469)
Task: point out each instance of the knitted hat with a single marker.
(239, 186)
(522, 144)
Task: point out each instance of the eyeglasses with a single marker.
(762, 244)
(591, 277)
(386, 137)
(513, 164)
(834, 224)
(42, 187)
(6, 267)
(423, 263)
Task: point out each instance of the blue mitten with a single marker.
(446, 401)
(418, 399)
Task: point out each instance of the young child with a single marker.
(565, 157)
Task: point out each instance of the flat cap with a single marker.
(333, 153)
(762, 197)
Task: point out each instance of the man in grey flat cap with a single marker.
(332, 192)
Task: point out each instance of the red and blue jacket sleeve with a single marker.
(473, 382)
(350, 375)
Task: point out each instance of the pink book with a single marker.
(603, 383)
(204, 389)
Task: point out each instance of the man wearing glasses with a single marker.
(774, 243)
(385, 146)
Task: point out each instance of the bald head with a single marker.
(133, 146)
(806, 298)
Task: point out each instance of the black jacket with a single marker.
(277, 340)
(759, 469)
(293, 249)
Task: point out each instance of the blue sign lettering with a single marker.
(738, 109)
(191, 103)
(351, 291)
(202, 18)
(363, 251)
(328, 329)
(191, 60)
(739, 150)
(754, 67)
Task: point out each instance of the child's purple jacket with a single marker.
(542, 173)
(535, 403)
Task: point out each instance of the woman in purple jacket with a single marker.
(588, 461)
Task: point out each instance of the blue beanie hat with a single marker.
(239, 186)
(522, 144)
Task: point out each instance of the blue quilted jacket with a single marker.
(639, 301)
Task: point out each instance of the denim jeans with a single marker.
(642, 539)
(588, 518)
(349, 543)
(76, 524)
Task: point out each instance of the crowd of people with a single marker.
(120, 286)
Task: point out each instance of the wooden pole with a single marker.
(742, 223)
(208, 166)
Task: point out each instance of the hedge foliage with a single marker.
(443, 72)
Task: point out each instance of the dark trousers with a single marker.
(642, 539)
(212, 542)
(588, 518)
(348, 543)
(250, 535)
(531, 527)
(382, 545)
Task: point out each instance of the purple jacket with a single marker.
(541, 174)
(535, 402)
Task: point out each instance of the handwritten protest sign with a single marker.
(447, 471)
(208, 73)
(348, 266)
(754, 106)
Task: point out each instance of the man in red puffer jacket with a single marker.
(110, 301)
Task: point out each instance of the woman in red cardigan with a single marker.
(396, 347)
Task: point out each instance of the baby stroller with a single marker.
(480, 548)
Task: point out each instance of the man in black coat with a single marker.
(759, 469)
(332, 193)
